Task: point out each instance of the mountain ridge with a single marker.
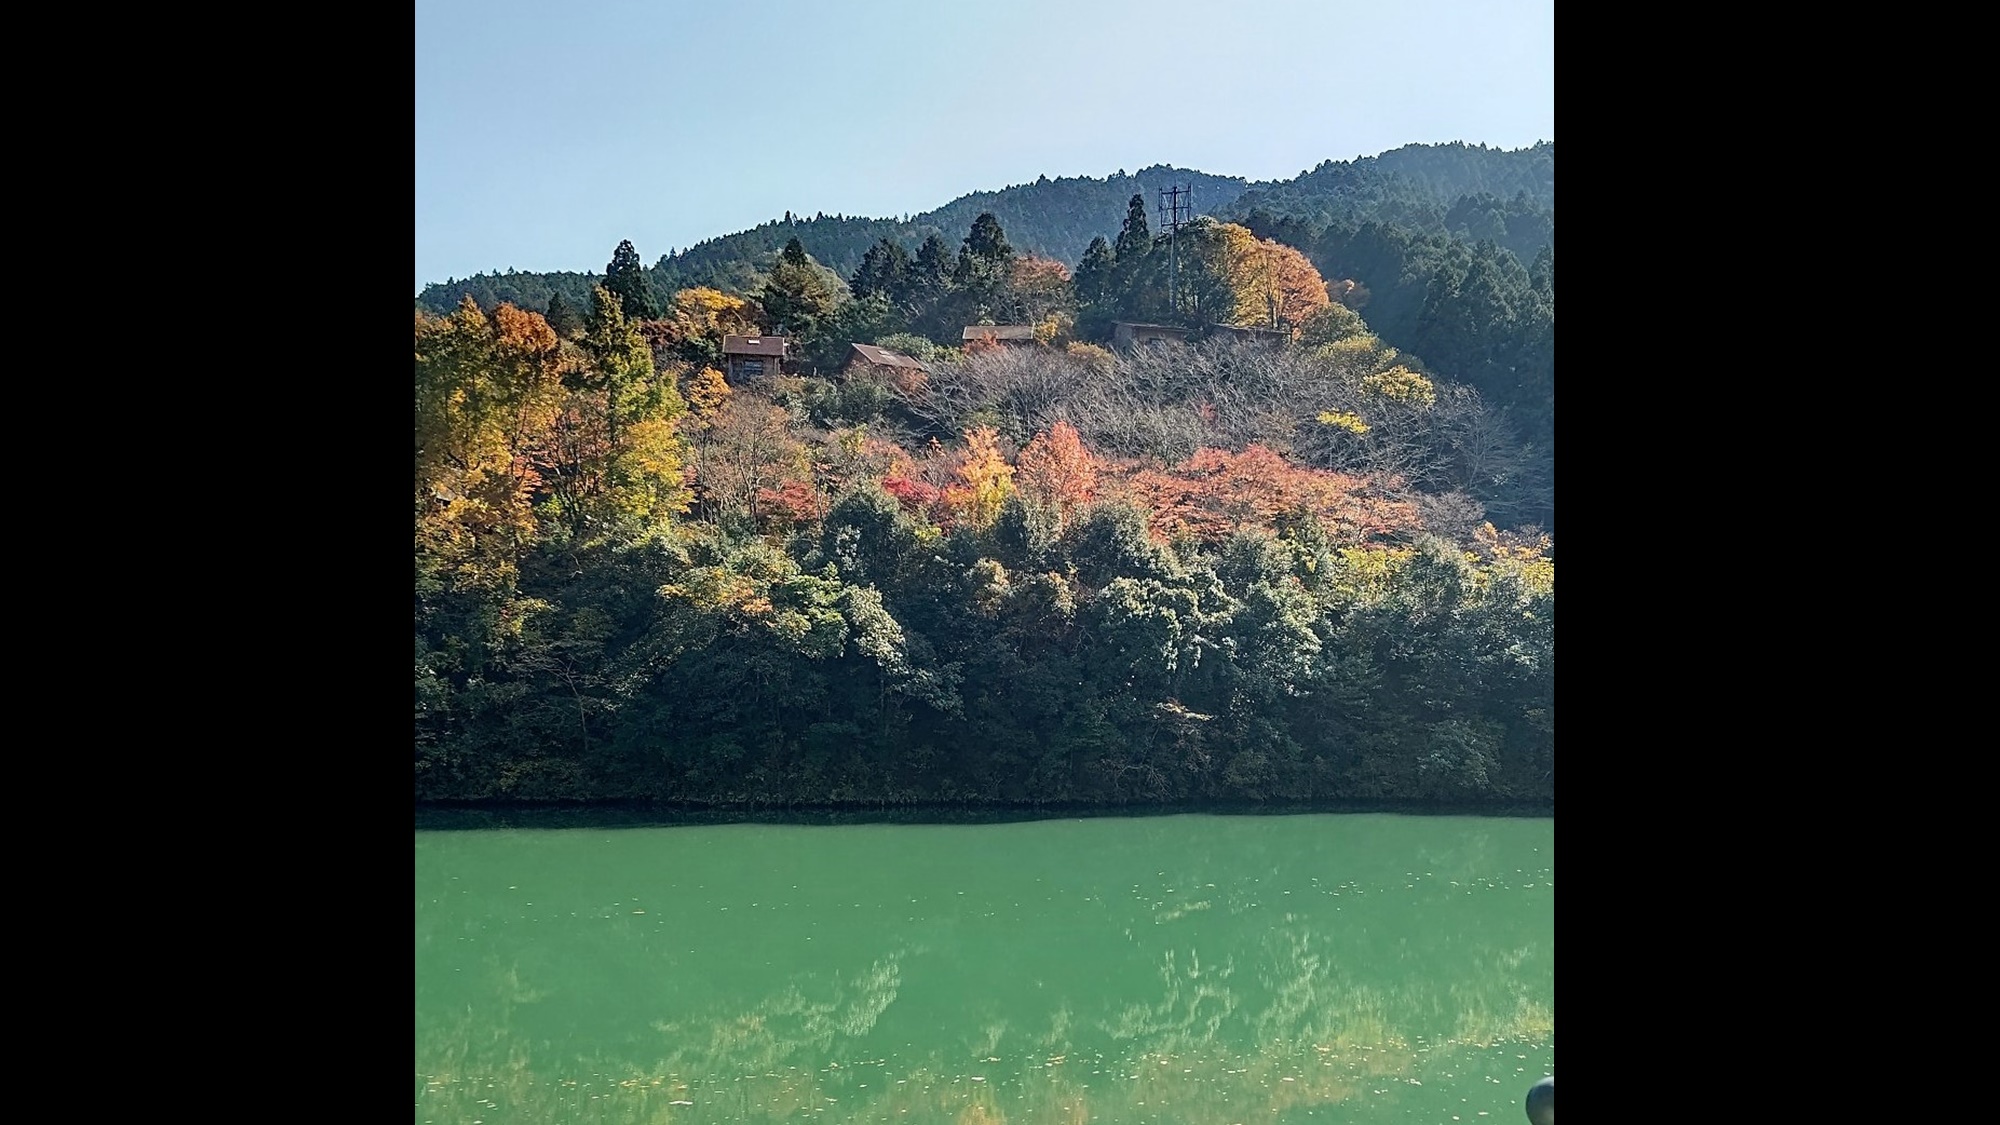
(1057, 217)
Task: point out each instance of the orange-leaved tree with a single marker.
(1039, 291)
(1215, 492)
(1056, 472)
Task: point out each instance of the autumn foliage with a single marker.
(984, 479)
(1274, 284)
(793, 504)
(918, 498)
(1057, 472)
(488, 389)
(1051, 573)
(1216, 492)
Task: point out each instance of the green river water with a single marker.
(1152, 969)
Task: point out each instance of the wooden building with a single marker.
(752, 357)
(894, 366)
(1127, 335)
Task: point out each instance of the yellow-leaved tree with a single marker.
(706, 391)
(698, 318)
(615, 460)
(1273, 284)
(985, 479)
(487, 390)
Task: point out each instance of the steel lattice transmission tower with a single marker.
(1176, 210)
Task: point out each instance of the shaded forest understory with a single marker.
(1102, 671)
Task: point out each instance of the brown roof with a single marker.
(754, 345)
(999, 332)
(885, 357)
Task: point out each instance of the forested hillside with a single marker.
(1053, 218)
(1417, 186)
(1299, 549)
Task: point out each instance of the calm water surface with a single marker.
(1160, 969)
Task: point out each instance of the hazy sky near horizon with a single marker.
(546, 133)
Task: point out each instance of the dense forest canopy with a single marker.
(1416, 186)
(1298, 548)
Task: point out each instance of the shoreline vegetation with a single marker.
(449, 815)
(1252, 514)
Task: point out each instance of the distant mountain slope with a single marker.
(1415, 185)
(1455, 169)
(1467, 189)
(522, 290)
(1053, 218)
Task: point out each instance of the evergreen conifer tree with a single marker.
(626, 278)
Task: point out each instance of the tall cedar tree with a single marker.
(1127, 291)
(626, 278)
(932, 271)
(796, 297)
(981, 274)
(1093, 273)
(563, 317)
(986, 239)
(1135, 238)
(882, 271)
(926, 289)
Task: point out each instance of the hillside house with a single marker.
(892, 367)
(1126, 335)
(752, 357)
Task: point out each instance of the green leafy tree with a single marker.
(1135, 238)
(1110, 540)
(856, 322)
(930, 274)
(1331, 324)
(1095, 294)
(909, 344)
(1207, 292)
(1133, 292)
(1478, 315)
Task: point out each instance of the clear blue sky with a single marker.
(547, 132)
